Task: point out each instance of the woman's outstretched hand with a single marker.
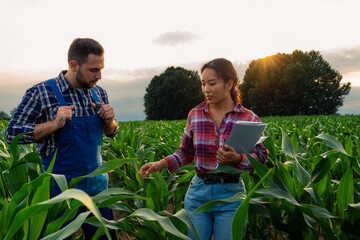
(152, 167)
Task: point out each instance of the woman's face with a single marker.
(214, 88)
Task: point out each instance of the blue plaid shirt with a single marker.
(40, 105)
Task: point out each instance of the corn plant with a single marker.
(163, 192)
(309, 188)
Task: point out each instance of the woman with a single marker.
(208, 126)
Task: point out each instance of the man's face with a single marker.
(90, 72)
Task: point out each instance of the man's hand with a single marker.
(107, 113)
(228, 155)
(45, 129)
(63, 114)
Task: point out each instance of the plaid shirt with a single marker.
(40, 105)
(201, 139)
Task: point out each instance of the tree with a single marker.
(4, 116)
(12, 112)
(301, 83)
(172, 94)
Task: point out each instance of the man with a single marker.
(68, 115)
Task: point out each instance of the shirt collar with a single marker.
(63, 84)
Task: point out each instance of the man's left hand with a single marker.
(107, 113)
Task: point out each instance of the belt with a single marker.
(218, 178)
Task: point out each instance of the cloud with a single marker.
(345, 60)
(176, 38)
(352, 102)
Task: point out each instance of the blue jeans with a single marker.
(217, 221)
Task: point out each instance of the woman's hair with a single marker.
(80, 49)
(226, 71)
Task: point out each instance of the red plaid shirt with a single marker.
(201, 139)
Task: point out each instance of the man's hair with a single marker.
(80, 49)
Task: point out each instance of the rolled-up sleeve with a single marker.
(112, 135)
(104, 97)
(186, 153)
(24, 119)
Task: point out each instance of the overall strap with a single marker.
(97, 100)
(57, 92)
(95, 95)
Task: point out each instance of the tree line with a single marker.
(5, 116)
(300, 83)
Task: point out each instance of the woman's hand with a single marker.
(228, 155)
(152, 167)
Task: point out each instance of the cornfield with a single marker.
(309, 188)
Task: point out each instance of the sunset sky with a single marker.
(142, 38)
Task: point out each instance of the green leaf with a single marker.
(345, 193)
(184, 216)
(302, 175)
(240, 217)
(186, 177)
(82, 197)
(165, 223)
(3, 154)
(284, 177)
(209, 205)
(68, 230)
(15, 148)
(21, 218)
(52, 163)
(315, 196)
(20, 196)
(321, 169)
(260, 168)
(288, 148)
(277, 193)
(270, 145)
(287, 145)
(332, 143)
(37, 220)
(225, 168)
(17, 176)
(318, 211)
(103, 168)
(61, 181)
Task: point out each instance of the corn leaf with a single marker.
(241, 214)
(37, 220)
(165, 223)
(103, 168)
(321, 169)
(345, 191)
(332, 143)
(70, 229)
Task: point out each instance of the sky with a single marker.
(143, 37)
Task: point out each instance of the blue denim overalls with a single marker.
(78, 154)
(78, 149)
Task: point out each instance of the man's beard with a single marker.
(80, 79)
